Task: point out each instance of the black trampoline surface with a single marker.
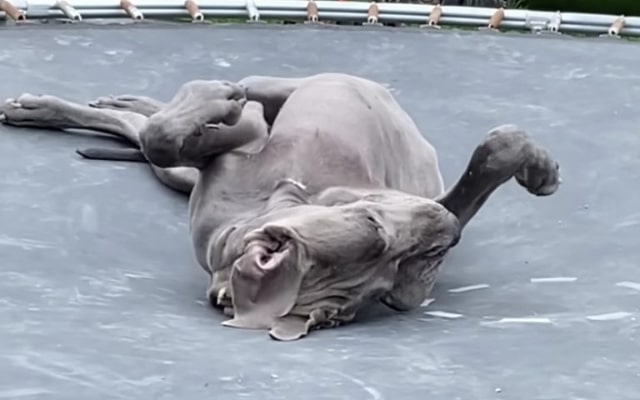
(101, 297)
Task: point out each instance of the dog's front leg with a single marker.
(45, 111)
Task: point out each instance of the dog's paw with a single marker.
(507, 147)
(7, 109)
(28, 109)
(540, 174)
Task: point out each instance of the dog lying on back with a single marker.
(308, 197)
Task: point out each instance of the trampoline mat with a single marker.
(101, 297)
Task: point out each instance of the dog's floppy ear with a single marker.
(288, 328)
(266, 280)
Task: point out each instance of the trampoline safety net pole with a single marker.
(310, 11)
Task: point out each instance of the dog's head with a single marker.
(316, 264)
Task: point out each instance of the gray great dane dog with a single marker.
(308, 197)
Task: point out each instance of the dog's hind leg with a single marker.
(506, 152)
(270, 91)
(51, 112)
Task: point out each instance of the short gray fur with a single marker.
(127, 318)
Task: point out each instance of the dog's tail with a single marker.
(112, 154)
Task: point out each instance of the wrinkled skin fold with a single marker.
(309, 197)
